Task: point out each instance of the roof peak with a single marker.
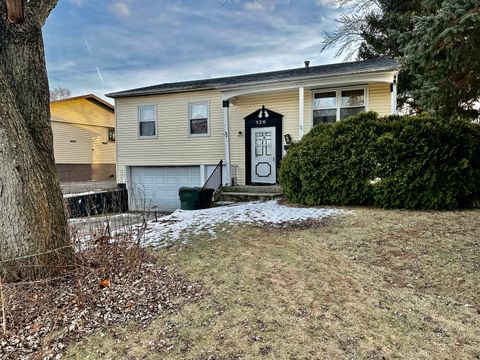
(85, 96)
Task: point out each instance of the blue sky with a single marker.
(101, 46)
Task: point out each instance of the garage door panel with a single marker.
(158, 186)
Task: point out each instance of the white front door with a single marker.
(264, 168)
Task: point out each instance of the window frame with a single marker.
(108, 134)
(189, 118)
(155, 118)
(338, 92)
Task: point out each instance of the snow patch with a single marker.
(181, 223)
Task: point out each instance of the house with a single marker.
(84, 138)
(173, 134)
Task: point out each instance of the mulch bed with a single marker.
(119, 286)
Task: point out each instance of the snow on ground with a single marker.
(175, 226)
(83, 193)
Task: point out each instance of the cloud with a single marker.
(168, 41)
(261, 5)
(328, 3)
(121, 9)
(78, 3)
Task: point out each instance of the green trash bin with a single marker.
(189, 198)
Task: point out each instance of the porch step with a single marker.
(270, 189)
(223, 203)
(248, 193)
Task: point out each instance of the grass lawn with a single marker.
(373, 284)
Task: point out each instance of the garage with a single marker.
(156, 187)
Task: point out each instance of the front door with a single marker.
(263, 150)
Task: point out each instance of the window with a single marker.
(331, 106)
(147, 121)
(352, 102)
(263, 143)
(111, 135)
(325, 107)
(198, 118)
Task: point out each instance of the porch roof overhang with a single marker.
(318, 82)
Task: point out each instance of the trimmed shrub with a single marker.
(414, 162)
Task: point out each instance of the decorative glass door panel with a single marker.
(263, 155)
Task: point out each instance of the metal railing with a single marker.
(215, 180)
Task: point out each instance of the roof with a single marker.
(91, 97)
(346, 68)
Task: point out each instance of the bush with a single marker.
(414, 162)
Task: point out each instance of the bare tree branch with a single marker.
(347, 34)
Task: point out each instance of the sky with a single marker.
(101, 46)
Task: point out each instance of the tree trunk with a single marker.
(33, 224)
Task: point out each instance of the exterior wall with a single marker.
(80, 140)
(380, 98)
(173, 145)
(285, 103)
(86, 172)
(90, 146)
(82, 111)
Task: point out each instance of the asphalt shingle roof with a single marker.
(346, 68)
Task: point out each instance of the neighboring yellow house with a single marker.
(84, 138)
(173, 135)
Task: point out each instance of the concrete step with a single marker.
(257, 189)
(235, 196)
(223, 203)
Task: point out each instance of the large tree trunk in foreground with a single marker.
(32, 214)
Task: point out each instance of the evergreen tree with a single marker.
(444, 56)
(437, 43)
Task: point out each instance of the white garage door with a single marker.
(156, 188)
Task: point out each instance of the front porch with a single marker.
(262, 120)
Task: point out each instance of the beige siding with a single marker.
(82, 111)
(173, 145)
(380, 99)
(91, 144)
(285, 103)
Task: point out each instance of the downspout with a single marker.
(393, 91)
(226, 132)
(301, 111)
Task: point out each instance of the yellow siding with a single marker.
(82, 111)
(285, 103)
(91, 146)
(173, 146)
(380, 99)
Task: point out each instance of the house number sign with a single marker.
(260, 122)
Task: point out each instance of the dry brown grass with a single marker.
(371, 285)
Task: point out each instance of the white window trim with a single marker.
(155, 119)
(189, 116)
(338, 92)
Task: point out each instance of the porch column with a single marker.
(394, 95)
(301, 111)
(226, 132)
